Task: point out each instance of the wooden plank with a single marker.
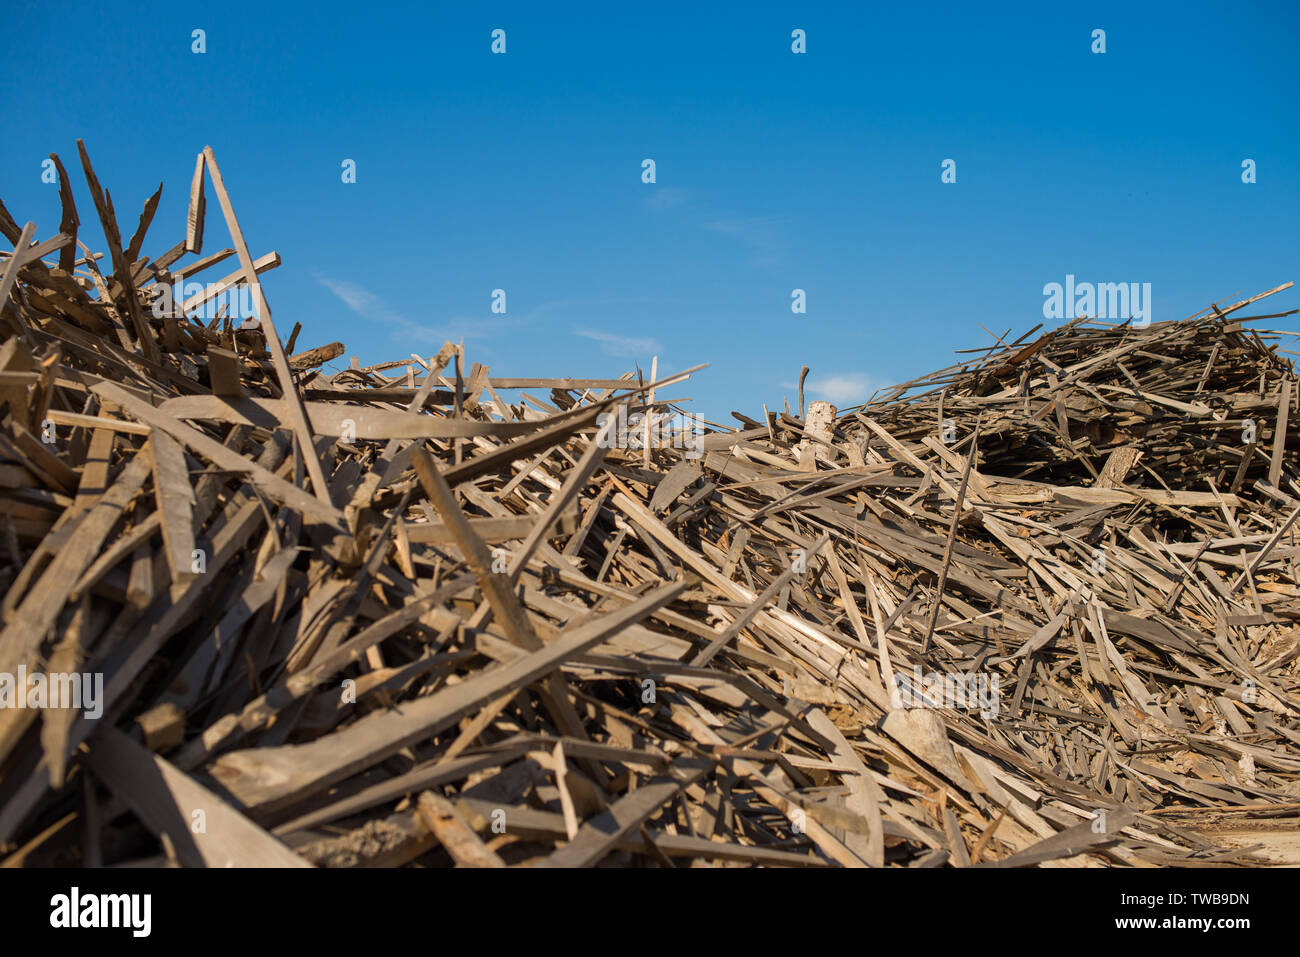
(457, 837)
(335, 419)
(204, 829)
(197, 214)
(489, 530)
(175, 496)
(297, 416)
(1279, 433)
(212, 290)
(15, 262)
(223, 372)
(70, 222)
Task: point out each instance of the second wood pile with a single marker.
(387, 616)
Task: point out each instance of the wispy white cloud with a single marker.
(360, 301)
(370, 306)
(667, 197)
(841, 390)
(621, 345)
(759, 234)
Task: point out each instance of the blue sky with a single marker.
(774, 170)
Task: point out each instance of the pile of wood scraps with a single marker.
(1036, 609)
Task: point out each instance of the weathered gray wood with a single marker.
(205, 830)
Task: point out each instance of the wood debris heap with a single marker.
(1038, 608)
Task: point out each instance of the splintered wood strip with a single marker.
(70, 222)
(297, 416)
(544, 438)
(496, 587)
(865, 796)
(761, 602)
(58, 717)
(490, 530)
(197, 213)
(218, 649)
(456, 837)
(121, 266)
(422, 777)
(171, 482)
(317, 356)
(336, 419)
(381, 842)
(171, 803)
(41, 250)
(99, 423)
(1279, 433)
(1072, 841)
(15, 261)
(212, 290)
(573, 485)
(1118, 464)
(146, 218)
(952, 534)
